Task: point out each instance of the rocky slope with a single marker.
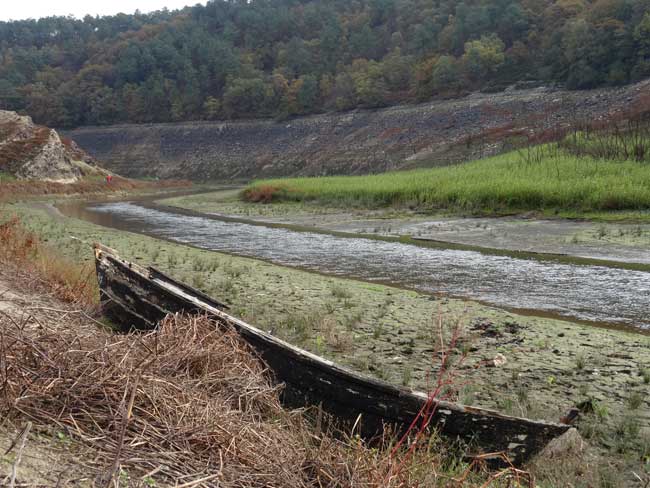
(363, 141)
(33, 152)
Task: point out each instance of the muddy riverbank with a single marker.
(391, 333)
(544, 287)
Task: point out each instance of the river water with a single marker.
(584, 292)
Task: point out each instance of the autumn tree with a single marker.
(289, 57)
(483, 57)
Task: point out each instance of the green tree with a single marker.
(244, 97)
(369, 83)
(103, 107)
(445, 76)
(642, 40)
(45, 106)
(133, 103)
(343, 94)
(211, 108)
(10, 97)
(397, 70)
(309, 94)
(483, 57)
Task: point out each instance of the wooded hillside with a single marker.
(277, 58)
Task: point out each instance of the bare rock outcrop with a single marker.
(33, 152)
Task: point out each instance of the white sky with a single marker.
(34, 9)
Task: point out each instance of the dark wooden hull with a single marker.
(137, 297)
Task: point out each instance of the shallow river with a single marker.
(584, 292)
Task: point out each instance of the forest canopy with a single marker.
(278, 58)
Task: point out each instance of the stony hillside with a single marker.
(33, 152)
(362, 141)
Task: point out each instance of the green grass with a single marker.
(553, 180)
(6, 177)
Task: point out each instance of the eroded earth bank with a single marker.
(358, 142)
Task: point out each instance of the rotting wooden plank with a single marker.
(156, 273)
(311, 380)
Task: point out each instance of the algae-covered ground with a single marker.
(390, 333)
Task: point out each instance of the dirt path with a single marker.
(46, 459)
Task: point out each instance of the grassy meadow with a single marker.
(542, 178)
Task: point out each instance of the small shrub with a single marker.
(198, 280)
(506, 405)
(264, 193)
(627, 430)
(339, 292)
(645, 374)
(522, 394)
(319, 344)
(227, 287)
(155, 253)
(377, 330)
(407, 375)
(601, 410)
(330, 307)
(198, 265)
(635, 400)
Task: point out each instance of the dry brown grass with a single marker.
(188, 403)
(21, 189)
(70, 282)
(264, 193)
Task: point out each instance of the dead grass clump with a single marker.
(183, 401)
(264, 194)
(87, 186)
(70, 282)
(187, 403)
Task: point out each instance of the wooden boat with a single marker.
(138, 297)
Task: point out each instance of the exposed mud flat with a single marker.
(391, 333)
(381, 329)
(583, 292)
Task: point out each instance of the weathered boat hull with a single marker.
(137, 297)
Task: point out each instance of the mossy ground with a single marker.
(393, 334)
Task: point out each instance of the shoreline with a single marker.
(614, 245)
(391, 333)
